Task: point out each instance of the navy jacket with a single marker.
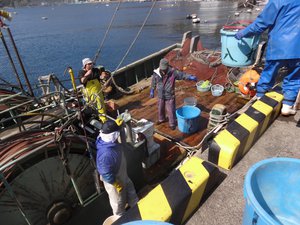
(166, 85)
(109, 157)
(282, 18)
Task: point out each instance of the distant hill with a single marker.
(18, 3)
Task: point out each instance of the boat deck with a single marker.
(140, 106)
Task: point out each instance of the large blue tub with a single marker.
(272, 193)
(188, 118)
(237, 53)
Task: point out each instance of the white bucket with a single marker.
(110, 220)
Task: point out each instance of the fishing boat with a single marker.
(196, 20)
(191, 16)
(47, 165)
(51, 135)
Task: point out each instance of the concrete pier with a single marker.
(226, 203)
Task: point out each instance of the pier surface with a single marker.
(226, 203)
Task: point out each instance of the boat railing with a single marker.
(39, 111)
(133, 73)
(10, 96)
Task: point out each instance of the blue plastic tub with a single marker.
(272, 192)
(188, 118)
(237, 53)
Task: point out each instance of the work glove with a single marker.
(238, 35)
(152, 93)
(118, 186)
(119, 121)
(192, 77)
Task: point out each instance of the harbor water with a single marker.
(51, 38)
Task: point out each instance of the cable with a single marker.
(106, 33)
(127, 52)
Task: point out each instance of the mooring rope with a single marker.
(106, 33)
(127, 52)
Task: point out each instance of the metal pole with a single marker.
(92, 161)
(20, 61)
(11, 61)
(11, 193)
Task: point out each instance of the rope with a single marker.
(203, 56)
(106, 33)
(127, 52)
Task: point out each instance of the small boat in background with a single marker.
(44, 18)
(196, 20)
(191, 16)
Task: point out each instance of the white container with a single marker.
(146, 128)
(199, 88)
(190, 101)
(217, 90)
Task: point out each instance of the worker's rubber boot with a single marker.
(288, 110)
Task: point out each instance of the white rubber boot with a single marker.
(288, 110)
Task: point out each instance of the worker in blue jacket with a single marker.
(111, 165)
(282, 20)
(163, 80)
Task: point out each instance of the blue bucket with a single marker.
(188, 118)
(238, 53)
(272, 192)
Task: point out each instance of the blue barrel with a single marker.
(272, 192)
(188, 118)
(237, 53)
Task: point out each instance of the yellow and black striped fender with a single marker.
(176, 198)
(231, 144)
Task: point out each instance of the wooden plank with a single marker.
(141, 106)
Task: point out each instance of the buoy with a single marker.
(248, 81)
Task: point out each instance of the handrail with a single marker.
(16, 106)
(140, 61)
(10, 96)
(40, 108)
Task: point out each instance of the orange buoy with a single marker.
(248, 81)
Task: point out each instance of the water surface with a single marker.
(73, 32)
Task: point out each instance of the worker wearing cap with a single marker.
(90, 78)
(163, 80)
(111, 165)
(281, 19)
